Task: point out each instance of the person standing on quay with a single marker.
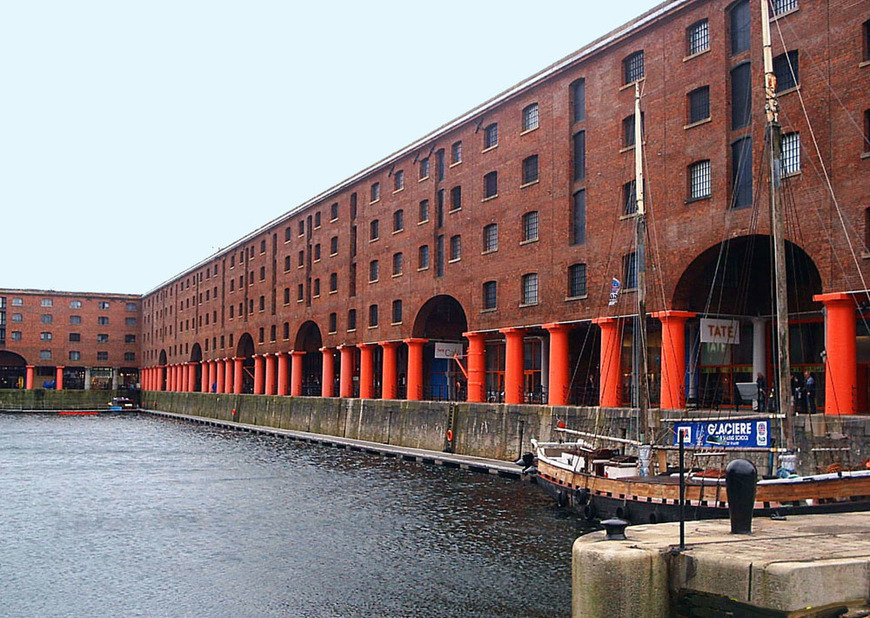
(809, 393)
(762, 394)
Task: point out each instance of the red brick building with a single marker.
(476, 263)
(68, 340)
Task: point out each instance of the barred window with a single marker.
(399, 220)
(375, 192)
(530, 226)
(46, 318)
(46, 355)
(456, 153)
(373, 270)
(580, 156)
(397, 312)
(101, 356)
(333, 245)
(490, 136)
(373, 315)
(629, 271)
(490, 295)
(455, 198)
(632, 67)
(530, 169)
(398, 263)
(578, 99)
(629, 198)
(423, 257)
(530, 117)
(333, 322)
(424, 211)
(455, 248)
(577, 280)
(374, 230)
(424, 168)
(628, 130)
(699, 180)
(333, 211)
(699, 104)
(791, 153)
(490, 237)
(784, 6)
(530, 289)
(351, 319)
(490, 185)
(333, 282)
(398, 180)
(785, 68)
(698, 37)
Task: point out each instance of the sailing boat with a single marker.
(615, 480)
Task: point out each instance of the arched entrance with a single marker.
(162, 373)
(245, 351)
(196, 358)
(733, 281)
(13, 370)
(442, 321)
(309, 340)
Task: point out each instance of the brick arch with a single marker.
(441, 317)
(308, 337)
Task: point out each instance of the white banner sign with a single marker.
(720, 331)
(447, 350)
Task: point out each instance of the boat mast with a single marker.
(773, 136)
(640, 259)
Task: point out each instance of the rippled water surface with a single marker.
(131, 515)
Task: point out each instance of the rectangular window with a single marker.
(374, 230)
(398, 180)
(17, 302)
(577, 280)
(288, 234)
(456, 153)
(333, 282)
(739, 23)
(741, 96)
(700, 185)
(578, 218)
(628, 130)
(791, 153)
(629, 198)
(74, 356)
(375, 194)
(317, 286)
(784, 6)
(866, 36)
(424, 211)
(530, 169)
(530, 289)
(423, 257)
(353, 208)
(399, 220)
(741, 173)
(699, 104)
(373, 270)
(490, 295)
(698, 37)
(490, 185)
(398, 261)
(287, 265)
(785, 68)
(130, 321)
(75, 319)
(439, 256)
(333, 323)
(103, 305)
(632, 67)
(530, 117)
(867, 130)
(490, 237)
(46, 318)
(300, 292)
(317, 252)
(530, 226)
(580, 156)
(262, 274)
(578, 99)
(333, 245)
(46, 355)
(47, 302)
(490, 136)
(424, 168)
(77, 304)
(373, 316)
(629, 271)
(16, 335)
(17, 317)
(103, 338)
(102, 356)
(129, 338)
(439, 208)
(440, 166)
(455, 248)
(75, 337)
(455, 198)
(333, 211)
(263, 246)
(129, 356)
(397, 312)
(46, 336)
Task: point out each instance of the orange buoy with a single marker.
(450, 435)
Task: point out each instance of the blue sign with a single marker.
(732, 433)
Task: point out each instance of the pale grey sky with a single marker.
(137, 138)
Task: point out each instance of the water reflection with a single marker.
(133, 515)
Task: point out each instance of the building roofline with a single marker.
(584, 52)
(10, 291)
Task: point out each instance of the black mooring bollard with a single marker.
(740, 479)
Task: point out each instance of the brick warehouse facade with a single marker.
(495, 237)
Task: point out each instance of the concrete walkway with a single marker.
(808, 565)
(464, 462)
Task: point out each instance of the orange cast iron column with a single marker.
(476, 367)
(366, 370)
(345, 387)
(220, 374)
(513, 364)
(415, 368)
(171, 379)
(228, 376)
(191, 377)
(557, 393)
(271, 365)
(259, 378)
(58, 378)
(283, 374)
(203, 376)
(296, 357)
(673, 392)
(611, 348)
(238, 375)
(841, 370)
(161, 377)
(390, 387)
(28, 377)
(328, 377)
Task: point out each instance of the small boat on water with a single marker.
(602, 476)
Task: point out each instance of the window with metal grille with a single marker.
(530, 289)
(579, 156)
(373, 270)
(530, 226)
(628, 130)
(424, 211)
(424, 168)
(375, 192)
(75, 319)
(397, 312)
(699, 104)
(351, 319)
(490, 237)
(578, 99)
(373, 315)
(741, 100)
(333, 211)
(784, 6)
(632, 67)
(374, 230)
(698, 37)
(530, 117)
(455, 247)
(785, 68)
(791, 153)
(455, 198)
(46, 318)
(456, 153)
(699, 180)
(398, 180)
(629, 198)
(423, 257)
(74, 356)
(577, 280)
(333, 282)
(741, 172)
(530, 169)
(490, 136)
(490, 295)
(398, 262)
(578, 218)
(739, 25)
(333, 323)
(490, 185)
(333, 245)
(399, 220)
(629, 271)
(101, 356)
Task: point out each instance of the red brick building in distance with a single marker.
(476, 263)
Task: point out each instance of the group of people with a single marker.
(803, 391)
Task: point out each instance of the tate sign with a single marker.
(720, 331)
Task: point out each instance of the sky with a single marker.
(139, 138)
